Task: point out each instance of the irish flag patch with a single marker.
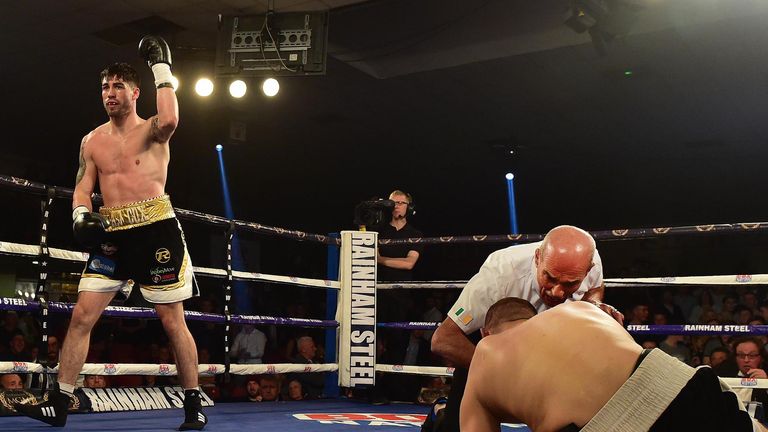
(463, 316)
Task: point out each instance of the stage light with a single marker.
(270, 87)
(238, 88)
(219, 147)
(509, 176)
(204, 87)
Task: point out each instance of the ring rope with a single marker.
(652, 329)
(63, 254)
(613, 234)
(258, 369)
(12, 303)
(170, 369)
(742, 279)
(62, 192)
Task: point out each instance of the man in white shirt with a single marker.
(249, 344)
(563, 267)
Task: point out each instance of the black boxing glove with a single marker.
(154, 50)
(89, 228)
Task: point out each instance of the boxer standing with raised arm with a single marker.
(135, 237)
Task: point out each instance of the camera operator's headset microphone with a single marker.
(410, 210)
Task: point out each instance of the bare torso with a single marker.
(559, 367)
(131, 166)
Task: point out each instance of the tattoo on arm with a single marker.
(81, 169)
(154, 129)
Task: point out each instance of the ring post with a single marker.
(357, 314)
(331, 387)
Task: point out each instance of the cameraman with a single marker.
(396, 262)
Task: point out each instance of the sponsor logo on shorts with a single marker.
(162, 255)
(20, 367)
(163, 369)
(163, 274)
(103, 266)
(110, 369)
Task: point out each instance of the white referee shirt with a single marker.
(510, 272)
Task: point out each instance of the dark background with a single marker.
(428, 97)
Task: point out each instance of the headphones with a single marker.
(410, 210)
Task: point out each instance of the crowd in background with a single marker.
(124, 340)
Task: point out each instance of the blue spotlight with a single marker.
(242, 294)
(511, 200)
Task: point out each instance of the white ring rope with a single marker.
(170, 369)
(259, 369)
(32, 250)
(744, 279)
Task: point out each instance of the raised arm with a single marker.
(158, 56)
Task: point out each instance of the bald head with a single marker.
(562, 262)
(570, 242)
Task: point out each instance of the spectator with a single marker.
(312, 383)
(749, 299)
(95, 381)
(248, 346)
(674, 313)
(295, 390)
(705, 305)
(269, 388)
(640, 314)
(676, 347)
(53, 349)
(763, 309)
(714, 341)
(749, 362)
(9, 329)
(685, 300)
(757, 320)
(729, 306)
(10, 382)
(17, 349)
(742, 314)
(718, 357)
(253, 390)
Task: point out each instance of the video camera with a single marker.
(374, 212)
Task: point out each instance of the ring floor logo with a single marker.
(361, 419)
